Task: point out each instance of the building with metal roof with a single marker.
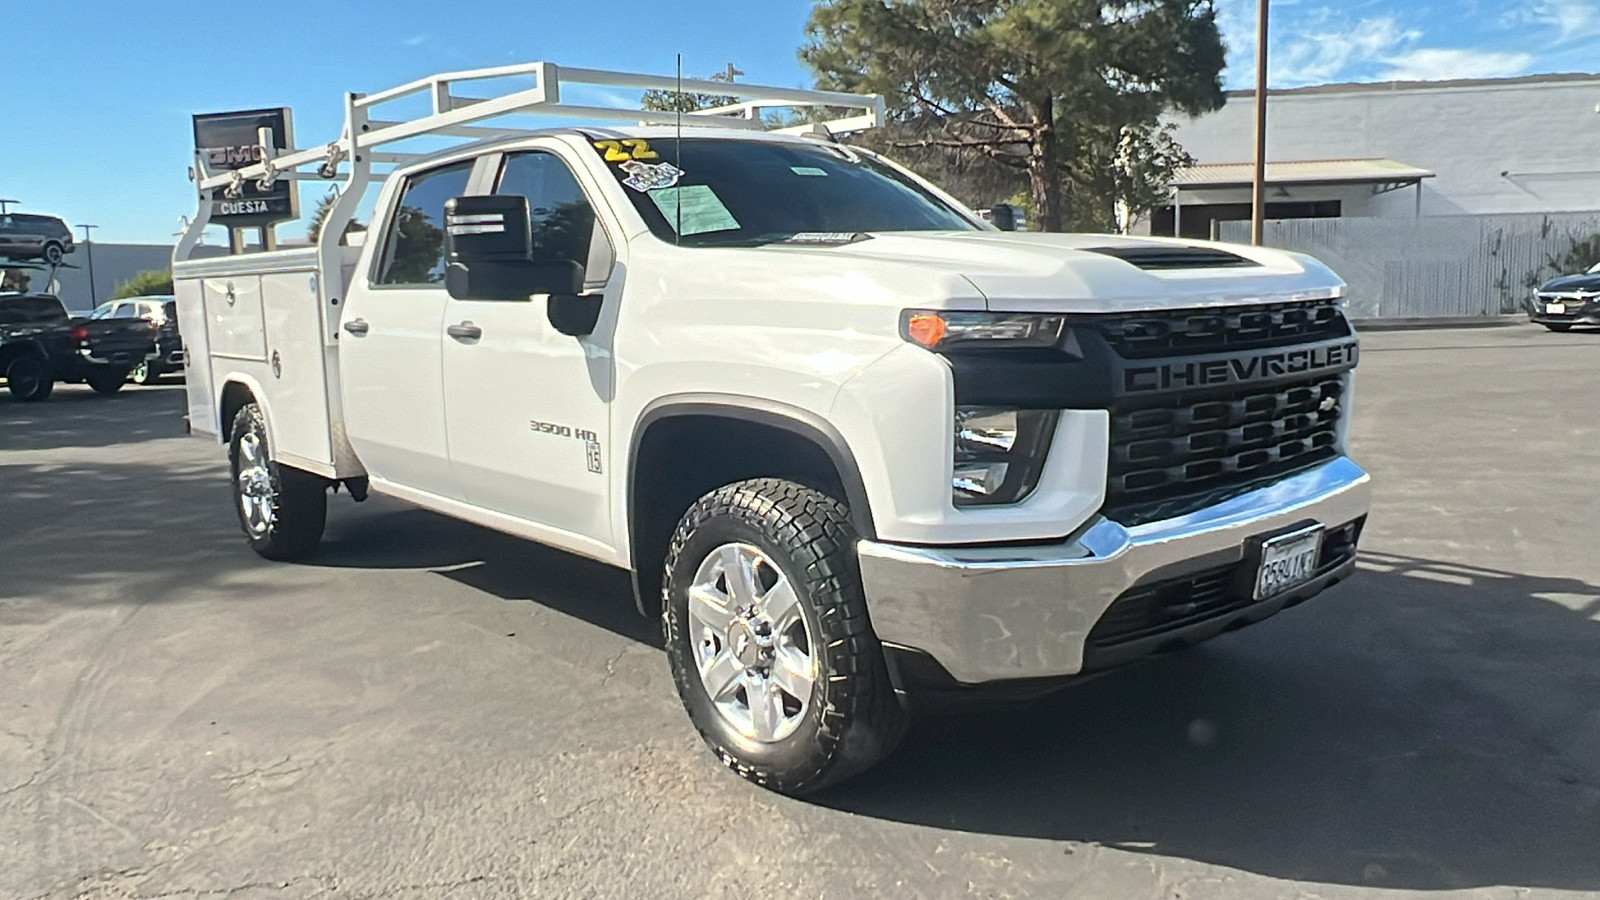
(1396, 149)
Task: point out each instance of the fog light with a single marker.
(979, 479)
(999, 453)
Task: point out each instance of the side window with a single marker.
(126, 311)
(102, 311)
(560, 219)
(414, 246)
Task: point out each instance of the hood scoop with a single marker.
(1166, 256)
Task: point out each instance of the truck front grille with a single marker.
(1178, 452)
(1198, 331)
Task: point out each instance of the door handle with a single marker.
(465, 331)
(357, 326)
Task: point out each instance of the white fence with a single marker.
(1433, 266)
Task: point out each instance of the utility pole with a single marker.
(5, 203)
(1258, 186)
(88, 247)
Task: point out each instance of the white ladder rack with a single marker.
(457, 115)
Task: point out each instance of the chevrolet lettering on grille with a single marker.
(1217, 371)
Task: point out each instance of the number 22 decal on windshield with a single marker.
(624, 150)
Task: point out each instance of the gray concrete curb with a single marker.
(1443, 322)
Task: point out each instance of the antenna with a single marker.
(678, 152)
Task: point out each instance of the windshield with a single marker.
(703, 192)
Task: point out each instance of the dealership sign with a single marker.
(231, 140)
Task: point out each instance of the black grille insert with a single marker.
(1178, 452)
(1198, 331)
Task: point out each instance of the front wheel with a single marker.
(107, 382)
(1557, 327)
(767, 633)
(282, 510)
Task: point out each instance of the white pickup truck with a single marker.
(856, 445)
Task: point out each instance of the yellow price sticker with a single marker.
(626, 149)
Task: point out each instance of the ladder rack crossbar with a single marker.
(459, 116)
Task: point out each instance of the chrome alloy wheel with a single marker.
(257, 498)
(757, 655)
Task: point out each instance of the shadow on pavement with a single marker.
(389, 534)
(1424, 726)
(76, 416)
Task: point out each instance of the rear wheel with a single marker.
(54, 253)
(145, 373)
(767, 634)
(28, 379)
(107, 382)
(1555, 326)
(282, 510)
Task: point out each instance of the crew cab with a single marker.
(40, 344)
(856, 445)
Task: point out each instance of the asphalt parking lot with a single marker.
(432, 710)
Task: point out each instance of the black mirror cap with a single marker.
(512, 279)
(487, 227)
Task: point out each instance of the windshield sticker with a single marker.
(694, 209)
(648, 177)
(624, 150)
(807, 170)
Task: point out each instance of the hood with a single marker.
(1569, 284)
(1017, 271)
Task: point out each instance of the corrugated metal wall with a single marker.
(1435, 265)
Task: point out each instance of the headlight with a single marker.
(999, 453)
(938, 330)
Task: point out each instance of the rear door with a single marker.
(527, 407)
(391, 331)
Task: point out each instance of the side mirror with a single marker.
(490, 253)
(1002, 215)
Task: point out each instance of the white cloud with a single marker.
(1572, 19)
(1439, 64)
(1326, 54)
(415, 40)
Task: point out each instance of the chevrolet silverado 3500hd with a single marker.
(853, 443)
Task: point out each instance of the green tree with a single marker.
(674, 101)
(150, 282)
(320, 215)
(1043, 88)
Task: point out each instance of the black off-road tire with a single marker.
(300, 507)
(54, 252)
(1557, 326)
(107, 383)
(854, 719)
(28, 379)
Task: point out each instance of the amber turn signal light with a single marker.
(926, 329)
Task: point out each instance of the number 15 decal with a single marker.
(624, 150)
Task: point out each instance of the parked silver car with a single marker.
(31, 236)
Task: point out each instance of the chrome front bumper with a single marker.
(996, 613)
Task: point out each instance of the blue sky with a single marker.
(95, 124)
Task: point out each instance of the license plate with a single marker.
(1287, 561)
(1555, 309)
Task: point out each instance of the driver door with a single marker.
(527, 407)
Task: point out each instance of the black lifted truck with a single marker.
(40, 345)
